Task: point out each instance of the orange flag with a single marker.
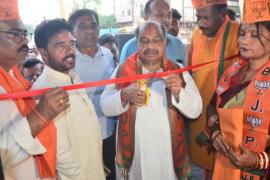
(198, 4)
(9, 9)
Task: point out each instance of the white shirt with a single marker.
(17, 145)
(153, 152)
(97, 68)
(79, 142)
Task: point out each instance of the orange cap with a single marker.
(198, 4)
(255, 11)
(9, 10)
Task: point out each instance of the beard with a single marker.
(64, 65)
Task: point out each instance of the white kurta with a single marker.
(153, 150)
(79, 140)
(17, 145)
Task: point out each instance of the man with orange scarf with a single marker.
(215, 39)
(27, 138)
(150, 139)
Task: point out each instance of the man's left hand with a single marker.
(174, 83)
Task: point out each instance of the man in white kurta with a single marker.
(153, 147)
(79, 140)
(79, 146)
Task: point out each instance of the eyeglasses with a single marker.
(18, 36)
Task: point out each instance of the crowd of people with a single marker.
(210, 122)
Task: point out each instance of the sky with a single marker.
(34, 11)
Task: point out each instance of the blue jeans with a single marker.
(198, 173)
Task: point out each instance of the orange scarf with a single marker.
(126, 127)
(47, 136)
(217, 51)
(256, 107)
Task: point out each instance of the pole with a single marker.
(183, 10)
(1, 170)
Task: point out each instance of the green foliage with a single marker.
(29, 28)
(78, 4)
(107, 21)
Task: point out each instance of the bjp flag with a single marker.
(255, 10)
(198, 4)
(9, 10)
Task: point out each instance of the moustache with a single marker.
(23, 48)
(150, 51)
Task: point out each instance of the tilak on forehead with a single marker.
(198, 4)
(150, 29)
(9, 10)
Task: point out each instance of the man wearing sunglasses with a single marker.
(22, 120)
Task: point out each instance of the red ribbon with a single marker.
(39, 92)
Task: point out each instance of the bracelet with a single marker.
(262, 160)
(257, 161)
(215, 134)
(40, 117)
(266, 160)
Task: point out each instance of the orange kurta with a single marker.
(205, 79)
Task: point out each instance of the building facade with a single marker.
(130, 12)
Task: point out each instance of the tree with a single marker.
(78, 4)
(107, 21)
